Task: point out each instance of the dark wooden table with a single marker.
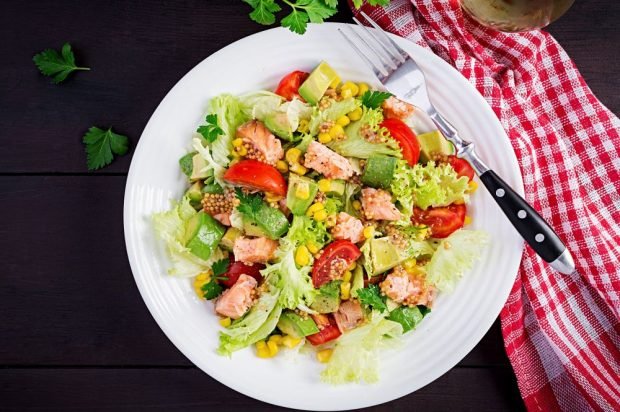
(75, 334)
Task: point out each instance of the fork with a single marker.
(401, 76)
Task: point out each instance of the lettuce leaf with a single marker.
(304, 230)
(170, 227)
(217, 168)
(356, 354)
(229, 117)
(256, 325)
(355, 145)
(448, 264)
(335, 110)
(427, 185)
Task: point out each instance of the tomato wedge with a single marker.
(256, 175)
(442, 221)
(289, 85)
(340, 250)
(405, 137)
(461, 167)
(328, 330)
(236, 269)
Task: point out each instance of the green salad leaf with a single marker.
(455, 255)
(355, 357)
(334, 110)
(102, 145)
(374, 99)
(57, 65)
(210, 130)
(408, 317)
(371, 297)
(211, 165)
(229, 116)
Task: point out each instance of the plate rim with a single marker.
(180, 345)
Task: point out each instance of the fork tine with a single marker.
(384, 55)
(387, 41)
(379, 71)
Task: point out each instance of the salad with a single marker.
(318, 218)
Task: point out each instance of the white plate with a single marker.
(458, 321)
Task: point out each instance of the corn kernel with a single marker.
(302, 191)
(273, 348)
(331, 220)
(347, 276)
(202, 277)
(314, 208)
(276, 338)
(242, 151)
(357, 205)
(325, 185)
(237, 142)
(409, 265)
(225, 322)
(346, 93)
(369, 232)
(289, 341)
(473, 186)
(303, 126)
(292, 155)
(345, 290)
(336, 130)
(335, 82)
(363, 88)
(324, 355)
(199, 292)
(355, 114)
(350, 86)
(320, 215)
(352, 266)
(302, 256)
(312, 247)
(299, 169)
(235, 154)
(262, 351)
(282, 166)
(272, 198)
(343, 121)
(325, 138)
(467, 220)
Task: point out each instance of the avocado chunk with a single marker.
(194, 193)
(203, 234)
(358, 280)
(336, 187)
(317, 83)
(199, 168)
(385, 255)
(278, 124)
(186, 163)
(294, 325)
(328, 298)
(379, 171)
(213, 188)
(300, 185)
(228, 241)
(432, 144)
(268, 222)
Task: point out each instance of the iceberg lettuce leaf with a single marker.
(229, 117)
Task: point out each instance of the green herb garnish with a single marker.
(371, 296)
(210, 131)
(102, 145)
(373, 100)
(57, 65)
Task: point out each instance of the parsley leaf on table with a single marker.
(57, 65)
(303, 11)
(371, 296)
(102, 145)
(373, 100)
(296, 22)
(263, 11)
(210, 131)
(249, 205)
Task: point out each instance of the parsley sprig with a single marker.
(212, 289)
(210, 131)
(371, 296)
(374, 100)
(249, 205)
(57, 65)
(102, 145)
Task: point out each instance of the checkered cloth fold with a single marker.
(561, 333)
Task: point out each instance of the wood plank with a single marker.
(67, 289)
(475, 389)
(139, 50)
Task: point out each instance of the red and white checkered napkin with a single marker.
(561, 333)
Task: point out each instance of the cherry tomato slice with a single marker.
(461, 167)
(289, 85)
(256, 175)
(442, 221)
(405, 137)
(342, 250)
(236, 269)
(328, 330)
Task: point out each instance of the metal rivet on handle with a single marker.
(539, 237)
(521, 214)
(500, 192)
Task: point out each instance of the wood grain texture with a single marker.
(75, 333)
